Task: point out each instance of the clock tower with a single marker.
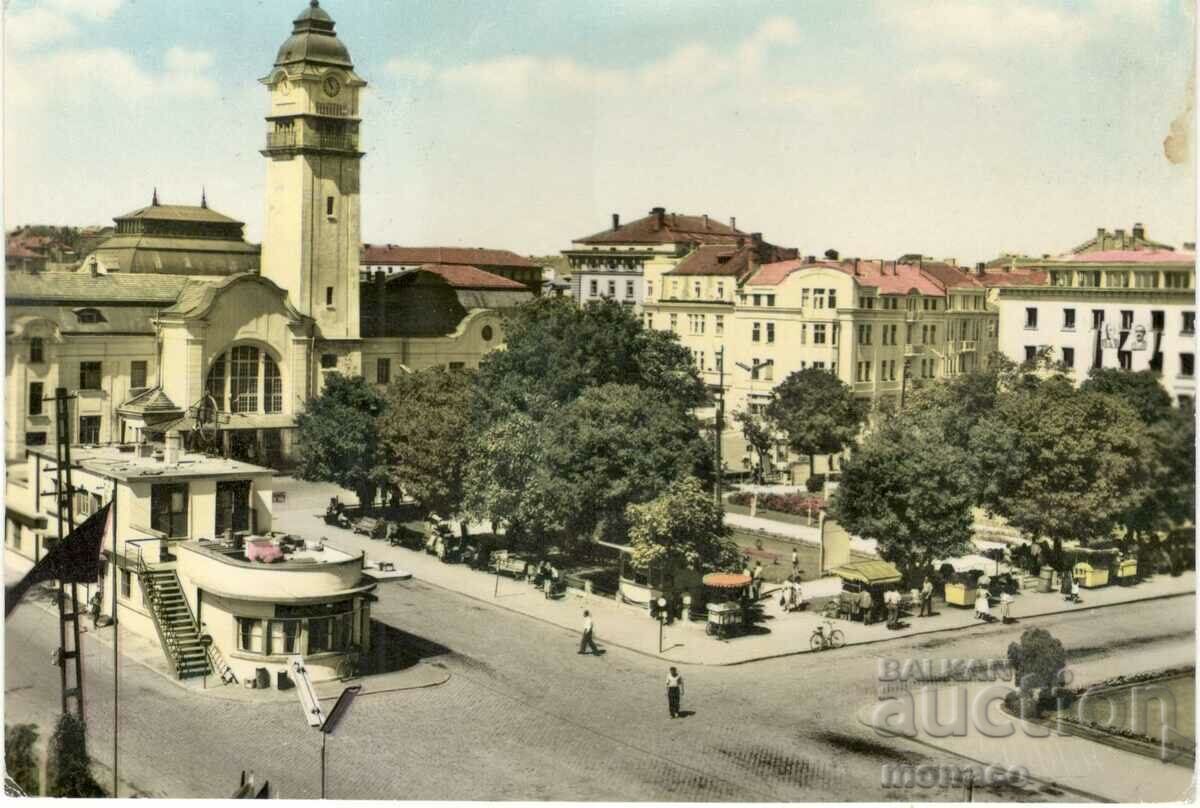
(312, 232)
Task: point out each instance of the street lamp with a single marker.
(312, 707)
(662, 619)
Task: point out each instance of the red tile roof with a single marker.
(1132, 257)
(466, 277)
(392, 254)
(889, 277)
(674, 228)
(728, 261)
(1015, 278)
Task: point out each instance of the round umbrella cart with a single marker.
(726, 591)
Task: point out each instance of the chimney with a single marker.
(706, 221)
(1120, 238)
(94, 267)
(981, 269)
(733, 222)
(856, 267)
(658, 214)
(1101, 235)
(673, 220)
(832, 255)
(1139, 231)
(756, 239)
(171, 455)
(810, 259)
(616, 221)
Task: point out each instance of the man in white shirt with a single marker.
(674, 692)
(587, 641)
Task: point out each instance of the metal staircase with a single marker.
(173, 620)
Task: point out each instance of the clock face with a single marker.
(332, 86)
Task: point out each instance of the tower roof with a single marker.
(313, 40)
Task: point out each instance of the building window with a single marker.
(1126, 320)
(1031, 317)
(1125, 358)
(89, 429)
(720, 290)
(1186, 403)
(383, 371)
(674, 322)
(1117, 280)
(252, 376)
(1068, 319)
(328, 295)
(804, 298)
(89, 316)
(718, 326)
(1097, 318)
(770, 332)
(649, 290)
(629, 290)
(755, 368)
(233, 506)
(243, 379)
(771, 299)
(329, 206)
(250, 635)
(35, 438)
(612, 288)
(1030, 353)
(89, 375)
(137, 374)
(818, 298)
(486, 333)
(1176, 280)
(754, 332)
(864, 335)
(169, 509)
(593, 288)
(37, 349)
(1068, 355)
(457, 366)
(283, 637)
(35, 398)
(126, 584)
(818, 333)
(1158, 321)
(1146, 280)
(216, 381)
(1187, 364)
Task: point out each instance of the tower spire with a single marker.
(203, 197)
(154, 199)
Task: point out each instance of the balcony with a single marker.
(911, 349)
(317, 140)
(967, 345)
(333, 110)
(280, 140)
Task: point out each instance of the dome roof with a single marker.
(313, 40)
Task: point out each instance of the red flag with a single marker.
(76, 559)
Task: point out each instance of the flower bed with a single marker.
(793, 504)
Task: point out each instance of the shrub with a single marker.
(1038, 660)
(816, 483)
(70, 767)
(19, 759)
(795, 504)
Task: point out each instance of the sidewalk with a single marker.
(686, 642)
(1067, 760)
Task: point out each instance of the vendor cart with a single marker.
(726, 609)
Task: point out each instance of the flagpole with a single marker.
(112, 513)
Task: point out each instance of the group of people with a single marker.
(790, 597)
(755, 575)
(983, 606)
(587, 644)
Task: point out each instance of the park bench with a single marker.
(370, 526)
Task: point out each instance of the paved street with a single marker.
(524, 717)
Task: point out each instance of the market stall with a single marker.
(874, 577)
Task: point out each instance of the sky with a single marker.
(952, 128)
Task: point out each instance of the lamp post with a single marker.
(662, 619)
(311, 705)
(904, 380)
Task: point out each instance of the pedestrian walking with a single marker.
(758, 580)
(892, 599)
(1005, 603)
(1075, 590)
(94, 607)
(865, 604)
(983, 609)
(674, 692)
(795, 562)
(588, 639)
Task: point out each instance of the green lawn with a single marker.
(1120, 701)
(781, 549)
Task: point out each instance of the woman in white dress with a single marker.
(983, 609)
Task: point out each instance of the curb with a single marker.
(784, 654)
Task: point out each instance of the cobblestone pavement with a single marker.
(524, 717)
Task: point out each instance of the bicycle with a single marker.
(820, 640)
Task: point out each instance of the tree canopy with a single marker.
(424, 434)
(337, 437)
(554, 350)
(1142, 390)
(682, 528)
(1060, 463)
(908, 490)
(817, 411)
(760, 437)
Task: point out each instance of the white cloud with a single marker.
(966, 76)
(78, 74)
(50, 21)
(967, 24)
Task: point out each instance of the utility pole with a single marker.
(903, 381)
(720, 422)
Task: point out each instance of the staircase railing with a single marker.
(168, 637)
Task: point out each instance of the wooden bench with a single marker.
(369, 526)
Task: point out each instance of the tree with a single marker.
(910, 492)
(818, 413)
(509, 482)
(70, 766)
(1141, 390)
(1060, 463)
(759, 435)
(337, 437)
(683, 528)
(554, 350)
(1037, 661)
(424, 435)
(19, 760)
(617, 445)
